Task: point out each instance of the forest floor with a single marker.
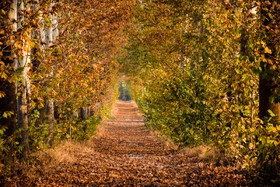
(126, 153)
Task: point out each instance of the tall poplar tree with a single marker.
(269, 81)
(23, 88)
(8, 103)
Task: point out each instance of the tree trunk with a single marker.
(39, 35)
(266, 88)
(83, 116)
(39, 54)
(49, 41)
(23, 90)
(51, 122)
(266, 84)
(8, 103)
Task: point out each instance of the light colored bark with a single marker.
(51, 122)
(40, 35)
(13, 21)
(49, 40)
(23, 91)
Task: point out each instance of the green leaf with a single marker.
(271, 113)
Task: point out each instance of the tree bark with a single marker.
(266, 84)
(9, 103)
(266, 88)
(39, 54)
(22, 107)
(51, 122)
(49, 41)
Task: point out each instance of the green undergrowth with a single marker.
(71, 129)
(189, 121)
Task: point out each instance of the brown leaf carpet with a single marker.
(125, 153)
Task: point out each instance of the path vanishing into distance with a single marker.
(125, 153)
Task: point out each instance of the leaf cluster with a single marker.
(194, 68)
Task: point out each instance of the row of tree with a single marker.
(208, 72)
(57, 70)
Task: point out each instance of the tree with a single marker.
(23, 89)
(8, 67)
(50, 102)
(268, 79)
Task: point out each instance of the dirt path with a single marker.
(126, 154)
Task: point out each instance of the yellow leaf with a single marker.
(2, 94)
(3, 75)
(41, 105)
(3, 12)
(5, 115)
(267, 50)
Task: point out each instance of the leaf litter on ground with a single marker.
(125, 153)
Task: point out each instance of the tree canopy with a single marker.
(203, 72)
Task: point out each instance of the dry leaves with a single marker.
(131, 155)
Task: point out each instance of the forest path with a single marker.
(125, 153)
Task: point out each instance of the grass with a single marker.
(46, 160)
(204, 153)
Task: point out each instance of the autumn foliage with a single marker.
(198, 70)
(202, 72)
(59, 59)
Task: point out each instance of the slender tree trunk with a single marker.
(266, 88)
(49, 41)
(23, 90)
(82, 113)
(39, 53)
(9, 103)
(266, 83)
(51, 122)
(84, 116)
